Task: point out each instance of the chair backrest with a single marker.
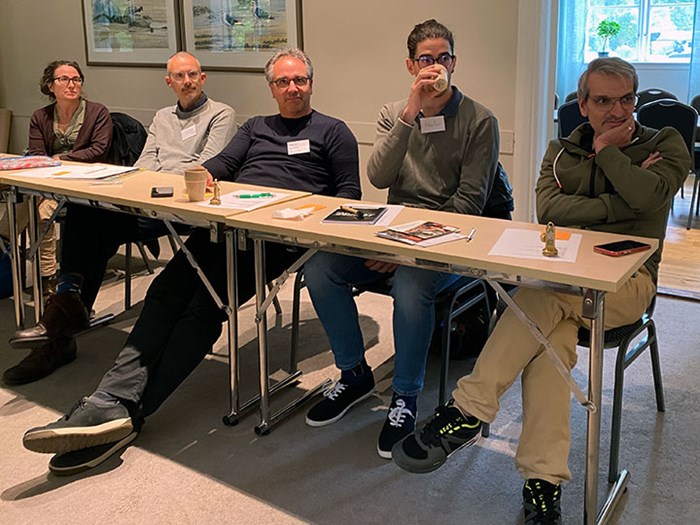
(569, 118)
(664, 113)
(571, 96)
(649, 95)
(128, 140)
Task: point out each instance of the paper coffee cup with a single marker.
(196, 183)
(441, 82)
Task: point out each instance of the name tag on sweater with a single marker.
(298, 146)
(189, 132)
(432, 124)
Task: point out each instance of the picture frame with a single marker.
(131, 33)
(239, 35)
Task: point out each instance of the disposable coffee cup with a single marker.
(196, 183)
(441, 82)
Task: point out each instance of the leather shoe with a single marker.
(41, 361)
(64, 315)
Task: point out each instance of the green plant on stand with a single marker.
(607, 29)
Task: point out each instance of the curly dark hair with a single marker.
(47, 77)
(425, 30)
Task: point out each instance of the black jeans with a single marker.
(91, 236)
(180, 321)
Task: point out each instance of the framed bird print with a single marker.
(130, 32)
(240, 35)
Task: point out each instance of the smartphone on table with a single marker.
(618, 248)
(161, 191)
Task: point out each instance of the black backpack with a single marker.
(128, 140)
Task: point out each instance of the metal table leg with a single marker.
(35, 260)
(15, 259)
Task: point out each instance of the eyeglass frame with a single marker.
(611, 101)
(180, 76)
(433, 60)
(288, 81)
(64, 80)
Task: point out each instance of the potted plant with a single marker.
(607, 29)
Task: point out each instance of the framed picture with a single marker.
(239, 35)
(130, 32)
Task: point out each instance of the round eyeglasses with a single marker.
(445, 59)
(182, 75)
(283, 83)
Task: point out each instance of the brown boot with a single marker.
(41, 361)
(64, 315)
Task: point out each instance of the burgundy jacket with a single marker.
(94, 137)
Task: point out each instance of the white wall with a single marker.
(358, 49)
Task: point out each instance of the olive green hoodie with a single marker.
(610, 191)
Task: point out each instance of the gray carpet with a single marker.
(187, 467)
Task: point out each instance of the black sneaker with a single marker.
(86, 458)
(399, 423)
(86, 425)
(338, 400)
(541, 502)
(427, 449)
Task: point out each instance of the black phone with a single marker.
(162, 191)
(618, 248)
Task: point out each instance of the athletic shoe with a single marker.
(427, 449)
(86, 425)
(399, 423)
(84, 459)
(541, 502)
(338, 400)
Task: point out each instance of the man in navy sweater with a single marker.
(297, 149)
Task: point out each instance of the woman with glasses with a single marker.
(70, 128)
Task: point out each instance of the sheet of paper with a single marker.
(526, 244)
(246, 200)
(82, 172)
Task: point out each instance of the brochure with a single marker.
(356, 214)
(422, 233)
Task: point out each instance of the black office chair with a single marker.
(621, 338)
(650, 95)
(672, 113)
(569, 117)
(452, 302)
(571, 96)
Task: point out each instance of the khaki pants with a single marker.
(543, 449)
(47, 250)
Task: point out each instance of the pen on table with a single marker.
(471, 234)
(348, 209)
(97, 169)
(254, 195)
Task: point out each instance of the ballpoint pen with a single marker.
(471, 234)
(254, 195)
(348, 209)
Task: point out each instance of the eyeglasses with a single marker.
(283, 83)
(445, 59)
(64, 80)
(182, 75)
(607, 103)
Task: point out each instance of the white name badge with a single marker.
(298, 146)
(189, 132)
(432, 124)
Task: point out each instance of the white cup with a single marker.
(196, 183)
(441, 82)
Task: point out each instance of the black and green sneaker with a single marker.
(541, 502)
(427, 449)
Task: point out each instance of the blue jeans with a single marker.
(329, 278)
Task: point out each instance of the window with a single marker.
(650, 30)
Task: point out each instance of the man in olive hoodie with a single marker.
(610, 174)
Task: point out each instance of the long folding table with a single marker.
(132, 194)
(592, 275)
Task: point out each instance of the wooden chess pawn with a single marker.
(550, 234)
(216, 199)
